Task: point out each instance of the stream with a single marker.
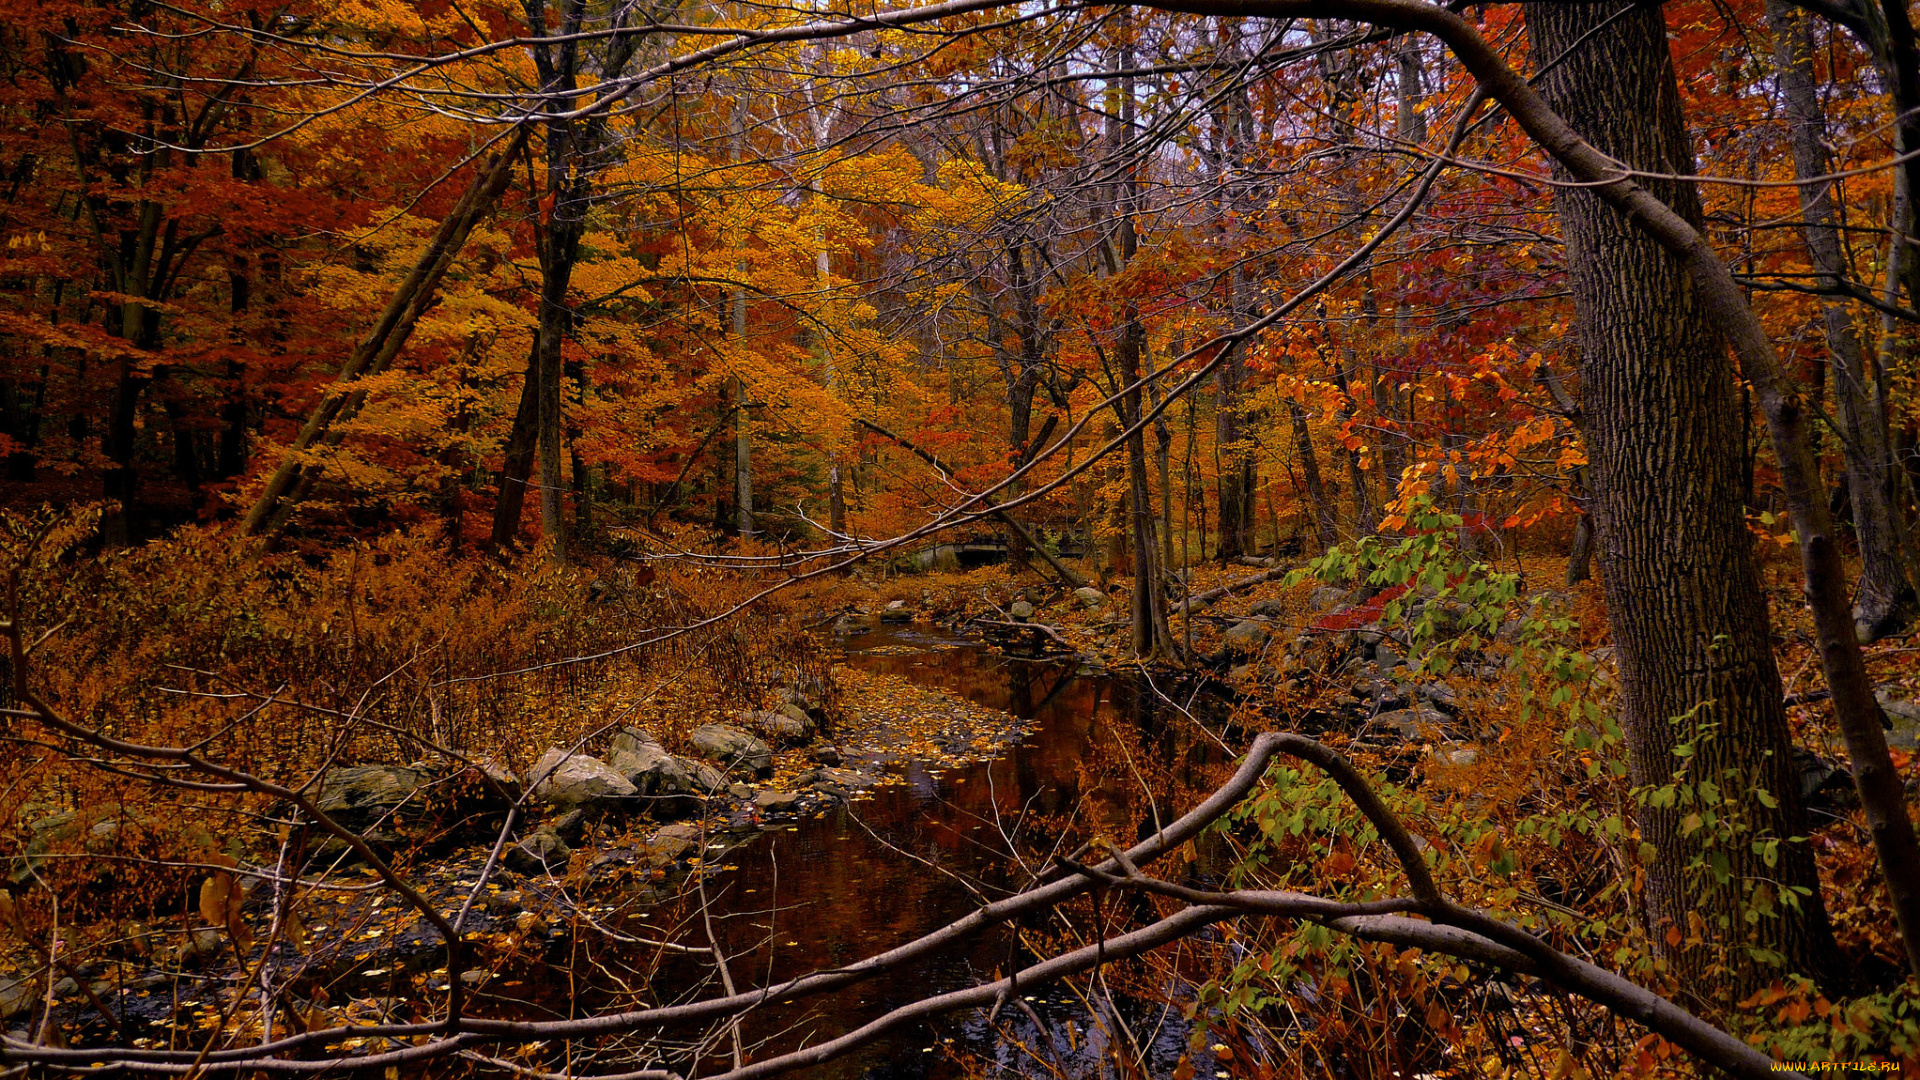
(1101, 754)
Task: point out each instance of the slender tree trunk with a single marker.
(1884, 598)
(517, 465)
(389, 334)
(1326, 521)
(1677, 563)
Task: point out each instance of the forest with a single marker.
(653, 540)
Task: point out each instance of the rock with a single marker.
(1413, 724)
(840, 781)
(1388, 659)
(826, 754)
(1093, 599)
(1021, 611)
(778, 727)
(1440, 695)
(201, 947)
(1461, 756)
(17, 997)
(566, 781)
(774, 802)
(1246, 636)
(1823, 783)
(570, 827)
(1903, 719)
(543, 852)
(656, 776)
(800, 699)
(358, 796)
(733, 749)
(676, 841)
(740, 791)
(1269, 608)
(896, 616)
(896, 605)
(706, 778)
(1327, 597)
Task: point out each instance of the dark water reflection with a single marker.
(1102, 756)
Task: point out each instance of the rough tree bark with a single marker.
(1677, 563)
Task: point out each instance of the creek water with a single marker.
(1102, 754)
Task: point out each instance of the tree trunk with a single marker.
(1884, 597)
(517, 465)
(1677, 564)
(1326, 523)
(410, 300)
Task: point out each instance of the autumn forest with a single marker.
(620, 539)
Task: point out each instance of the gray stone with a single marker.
(1021, 611)
(357, 796)
(543, 852)
(1270, 608)
(840, 780)
(675, 841)
(826, 754)
(777, 727)
(654, 773)
(17, 997)
(1440, 695)
(774, 802)
(566, 781)
(1247, 635)
(1903, 719)
(1326, 597)
(1388, 659)
(1461, 756)
(1415, 723)
(733, 749)
(706, 778)
(1093, 599)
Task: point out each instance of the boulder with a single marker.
(778, 728)
(733, 749)
(1246, 636)
(543, 852)
(1270, 608)
(1903, 719)
(706, 779)
(1327, 597)
(826, 754)
(1021, 611)
(656, 775)
(358, 796)
(1093, 599)
(569, 781)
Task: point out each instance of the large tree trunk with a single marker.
(1885, 596)
(1677, 564)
